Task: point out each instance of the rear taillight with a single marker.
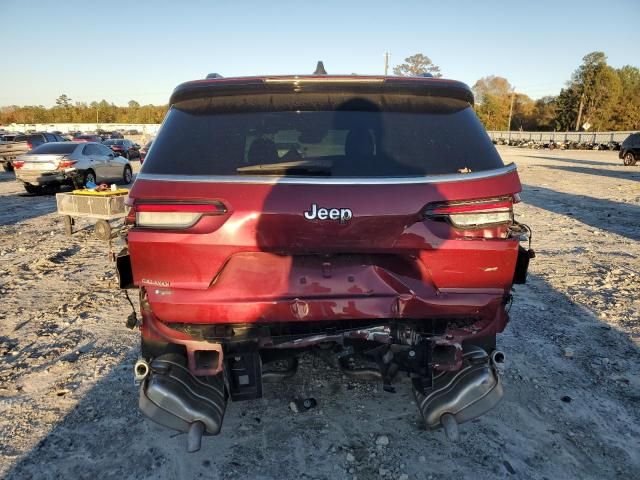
(29, 146)
(473, 214)
(62, 164)
(17, 164)
(172, 215)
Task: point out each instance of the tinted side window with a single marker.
(92, 150)
(33, 139)
(102, 150)
(50, 137)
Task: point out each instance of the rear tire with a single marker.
(68, 225)
(103, 230)
(89, 175)
(127, 175)
(629, 160)
(31, 189)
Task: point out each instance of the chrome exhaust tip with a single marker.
(497, 357)
(140, 371)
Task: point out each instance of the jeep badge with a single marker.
(342, 215)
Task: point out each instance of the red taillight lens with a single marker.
(29, 146)
(474, 214)
(17, 164)
(62, 164)
(172, 215)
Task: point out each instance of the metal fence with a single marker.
(585, 137)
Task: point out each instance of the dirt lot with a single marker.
(572, 402)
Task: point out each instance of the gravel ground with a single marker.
(571, 407)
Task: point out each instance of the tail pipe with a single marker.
(140, 371)
(457, 397)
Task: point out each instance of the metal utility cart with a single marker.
(102, 206)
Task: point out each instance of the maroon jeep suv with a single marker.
(366, 217)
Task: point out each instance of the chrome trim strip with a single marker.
(272, 180)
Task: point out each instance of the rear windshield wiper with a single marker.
(298, 167)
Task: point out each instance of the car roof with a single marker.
(65, 143)
(213, 87)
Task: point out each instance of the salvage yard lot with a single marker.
(68, 405)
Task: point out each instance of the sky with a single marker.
(123, 50)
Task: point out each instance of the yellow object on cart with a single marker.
(106, 193)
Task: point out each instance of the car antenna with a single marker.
(320, 69)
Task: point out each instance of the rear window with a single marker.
(58, 148)
(30, 138)
(364, 137)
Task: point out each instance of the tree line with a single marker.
(66, 111)
(596, 97)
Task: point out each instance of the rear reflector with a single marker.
(172, 215)
(473, 214)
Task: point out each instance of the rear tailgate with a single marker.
(270, 218)
(368, 213)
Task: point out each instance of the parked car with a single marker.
(630, 150)
(106, 135)
(8, 136)
(383, 240)
(22, 144)
(144, 150)
(125, 147)
(52, 165)
(88, 138)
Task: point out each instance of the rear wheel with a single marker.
(127, 175)
(629, 160)
(32, 189)
(89, 176)
(103, 230)
(68, 225)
